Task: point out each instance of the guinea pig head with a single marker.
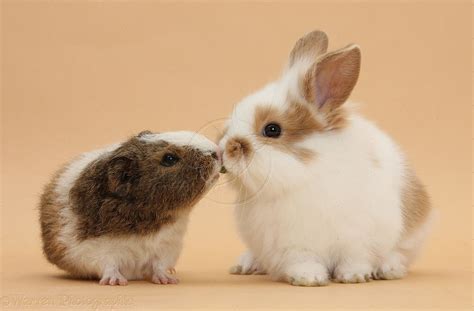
(149, 181)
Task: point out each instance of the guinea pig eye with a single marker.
(169, 159)
(272, 130)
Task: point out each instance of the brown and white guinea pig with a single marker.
(120, 213)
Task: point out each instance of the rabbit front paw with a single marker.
(392, 268)
(307, 274)
(247, 265)
(353, 273)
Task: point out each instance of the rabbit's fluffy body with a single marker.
(339, 211)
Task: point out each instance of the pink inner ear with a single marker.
(328, 81)
(335, 77)
(323, 86)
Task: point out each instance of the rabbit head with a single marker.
(267, 141)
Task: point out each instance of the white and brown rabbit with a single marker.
(322, 192)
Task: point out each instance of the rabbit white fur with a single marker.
(337, 201)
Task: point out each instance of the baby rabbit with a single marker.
(120, 213)
(322, 192)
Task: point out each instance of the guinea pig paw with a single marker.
(113, 279)
(164, 279)
(172, 271)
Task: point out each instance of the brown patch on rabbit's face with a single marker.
(297, 122)
(132, 192)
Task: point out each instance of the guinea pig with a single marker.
(323, 193)
(120, 213)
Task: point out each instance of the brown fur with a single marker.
(325, 86)
(237, 147)
(151, 195)
(126, 192)
(336, 118)
(310, 46)
(416, 203)
(307, 86)
(329, 82)
(51, 224)
(297, 122)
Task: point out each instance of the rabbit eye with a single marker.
(272, 130)
(169, 159)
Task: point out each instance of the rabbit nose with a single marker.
(237, 147)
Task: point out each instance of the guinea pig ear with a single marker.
(122, 171)
(329, 82)
(309, 47)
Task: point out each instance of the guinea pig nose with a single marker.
(217, 154)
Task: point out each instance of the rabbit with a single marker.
(120, 213)
(322, 193)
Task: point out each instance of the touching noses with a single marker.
(217, 154)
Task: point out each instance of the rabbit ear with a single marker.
(329, 82)
(310, 46)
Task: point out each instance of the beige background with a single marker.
(77, 75)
